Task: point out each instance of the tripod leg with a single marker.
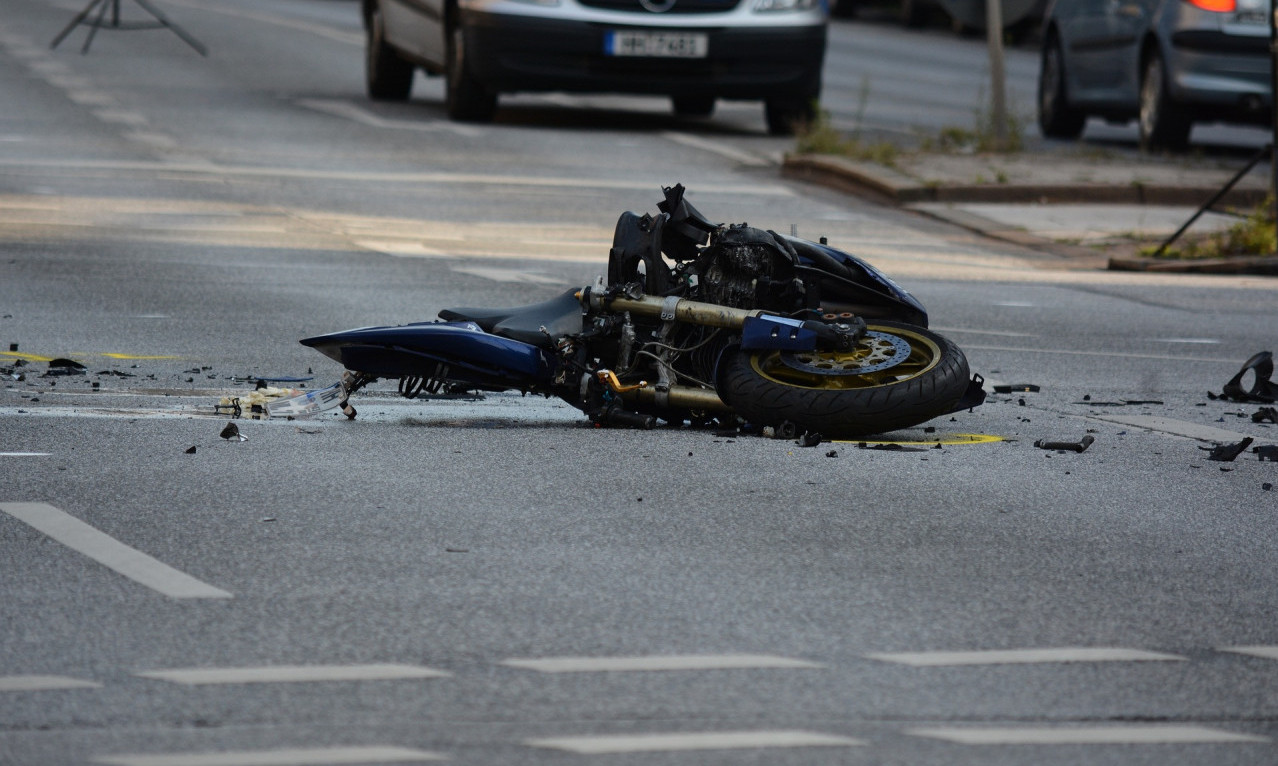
(179, 31)
(93, 28)
(81, 16)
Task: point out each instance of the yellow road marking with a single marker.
(134, 356)
(946, 440)
(27, 357)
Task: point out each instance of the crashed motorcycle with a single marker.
(699, 323)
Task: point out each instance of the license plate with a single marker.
(684, 45)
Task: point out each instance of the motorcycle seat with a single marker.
(559, 316)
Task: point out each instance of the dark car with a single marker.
(694, 51)
(1165, 63)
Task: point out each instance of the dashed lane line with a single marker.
(109, 552)
(1085, 735)
(44, 683)
(657, 663)
(727, 740)
(1176, 427)
(1264, 652)
(301, 756)
(1023, 656)
(272, 674)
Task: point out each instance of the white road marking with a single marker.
(1198, 341)
(1023, 656)
(327, 32)
(43, 683)
(736, 155)
(1117, 354)
(24, 454)
(1266, 652)
(347, 110)
(507, 275)
(302, 756)
(1176, 427)
(727, 740)
(1000, 333)
(439, 178)
(272, 674)
(1084, 735)
(668, 662)
(111, 553)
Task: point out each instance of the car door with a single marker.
(1097, 38)
(417, 28)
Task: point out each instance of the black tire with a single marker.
(914, 13)
(693, 106)
(1164, 124)
(389, 77)
(843, 404)
(1056, 118)
(467, 98)
(786, 117)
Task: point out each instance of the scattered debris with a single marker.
(232, 431)
(832, 453)
(1268, 453)
(1267, 486)
(269, 518)
(64, 367)
(267, 402)
(191, 451)
(1226, 453)
(1263, 390)
(889, 447)
(1265, 414)
(1017, 388)
(1079, 446)
(809, 439)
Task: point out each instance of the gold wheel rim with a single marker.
(924, 355)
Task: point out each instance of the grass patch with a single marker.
(821, 137)
(1252, 236)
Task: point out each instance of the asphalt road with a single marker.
(493, 581)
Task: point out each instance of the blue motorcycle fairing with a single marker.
(849, 283)
(418, 350)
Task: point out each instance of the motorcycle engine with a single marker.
(746, 268)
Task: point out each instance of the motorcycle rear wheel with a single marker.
(898, 376)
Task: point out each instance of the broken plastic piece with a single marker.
(1079, 446)
(64, 367)
(1017, 387)
(308, 403)
(1262, 388)
(232, 431)
(809, 439)
(1225, 453)
(1265, 414)
(1268, 452)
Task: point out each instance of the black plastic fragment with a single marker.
(230, 431)
(1016, 387)
(809, 439)
(64, 367)
(1226, 453)
(1268, 452)
(1079, 446)
(889, 447)
(1263, 390)
(1265, 415)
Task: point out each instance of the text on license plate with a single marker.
(688, 45)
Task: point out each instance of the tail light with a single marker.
(1218, 6)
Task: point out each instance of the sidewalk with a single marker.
(1097, 206)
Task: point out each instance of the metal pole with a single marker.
(998, 89)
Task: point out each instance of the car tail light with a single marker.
(1219, 6)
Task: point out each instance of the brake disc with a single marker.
(875, 352)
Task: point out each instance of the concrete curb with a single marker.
(875, 181)
(862, 177)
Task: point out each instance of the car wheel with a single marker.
(467, 99)
(914, 12)
(1164, 125)
(693, 106)
(1056, 118)
(785, 117)
(389, 77)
